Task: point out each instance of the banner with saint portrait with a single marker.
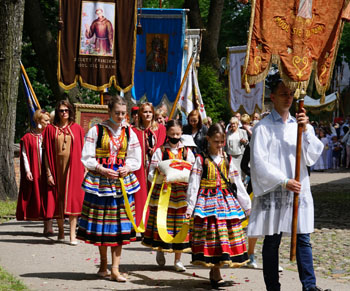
(159, 55)
(97, 43)
(298, 35)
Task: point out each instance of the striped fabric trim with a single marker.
(175, 220)
(218, 242)
(99, 185)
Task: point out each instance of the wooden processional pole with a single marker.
(293, 244)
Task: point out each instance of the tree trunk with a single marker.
(45, 47)
(209, 53)
(11, 25)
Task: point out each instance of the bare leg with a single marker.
(177, 257)
(115, 274)
(73, 224)
(251, 245)
(60, 223)
(103, 271)
(48, 227)
(215, 274)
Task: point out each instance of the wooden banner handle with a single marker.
(293, 245)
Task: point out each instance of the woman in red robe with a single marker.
(29, 203)
(64, 142)
(151, 136)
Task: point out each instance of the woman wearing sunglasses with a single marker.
(63, 141)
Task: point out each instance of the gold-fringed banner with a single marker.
(97, 44)
(299, 36)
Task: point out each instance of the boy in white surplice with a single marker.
(273, 154)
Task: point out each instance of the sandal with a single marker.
(103, 274)
(118, 276)
(220, 283)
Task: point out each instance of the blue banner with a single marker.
(31, 100)
(159, 52)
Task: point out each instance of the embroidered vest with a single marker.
(103, 143)
(210, 176)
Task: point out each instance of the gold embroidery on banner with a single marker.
(257, 63)
(296, 61)
(324, 70)
(282, 24)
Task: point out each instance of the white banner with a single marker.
(190, 92)
(250, 102)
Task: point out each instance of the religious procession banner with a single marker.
(97, 43)
(190, 96)
(159, 55)
(239, 98)
(315, 106)
(299, 36)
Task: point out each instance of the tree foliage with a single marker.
(214, 94)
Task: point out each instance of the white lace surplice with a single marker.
(273, 151)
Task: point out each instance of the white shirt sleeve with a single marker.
(194, 183)
(88, 155)
(156, 158)
(25, 160)
(312, 146)
(265, 175)
(242, 195)
(190, 157)
(133, 153)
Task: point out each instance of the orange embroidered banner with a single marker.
(299, 36)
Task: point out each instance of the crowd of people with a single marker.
(108, 183)
(336, 139)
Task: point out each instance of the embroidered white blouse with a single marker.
(195, 180)
(133, 154)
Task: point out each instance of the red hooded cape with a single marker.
(29, 203)
(74, 195)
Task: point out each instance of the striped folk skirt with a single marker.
(175, 219)
(217, 237)
(104, 221)
(218, 242)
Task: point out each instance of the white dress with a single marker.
(273, 151)
(322, 163)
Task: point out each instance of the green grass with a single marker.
(7, 209)
(9, 282)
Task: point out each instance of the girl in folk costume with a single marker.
(63, 141)
(30, 196)
(151, 136)
(217, 237)
(111, 151)
(172, 149)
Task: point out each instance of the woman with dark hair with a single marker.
(63, 142)
(30, 196)
(151, 136)
(111, 151)
(197, 129)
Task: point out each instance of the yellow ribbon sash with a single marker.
(141, 227)
(162, 213)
